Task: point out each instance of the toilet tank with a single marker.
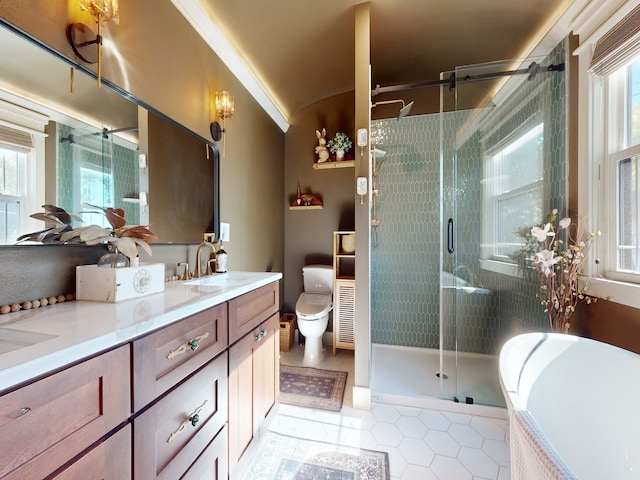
(318, 278)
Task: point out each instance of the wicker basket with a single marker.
(287, 331)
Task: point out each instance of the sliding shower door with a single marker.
(98, 168)
(502, 167)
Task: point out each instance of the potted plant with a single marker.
(340, 144)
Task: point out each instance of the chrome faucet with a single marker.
(198, 271)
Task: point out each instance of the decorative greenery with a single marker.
(340, 142)
(122, 237)
(52, 214)
(559, 265)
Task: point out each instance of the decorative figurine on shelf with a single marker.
(321, 149)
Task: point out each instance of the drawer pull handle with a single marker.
(192, 420)
(190, 345)
(262, 333)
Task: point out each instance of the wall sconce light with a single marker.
(86, 45)
(224, 110)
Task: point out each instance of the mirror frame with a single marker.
(214, 226)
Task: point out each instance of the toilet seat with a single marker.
(313, 306)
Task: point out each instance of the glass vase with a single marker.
(113, 259)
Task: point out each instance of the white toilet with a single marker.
(313, 307)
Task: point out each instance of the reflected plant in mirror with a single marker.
(122, 239)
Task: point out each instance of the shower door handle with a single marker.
(450, 248)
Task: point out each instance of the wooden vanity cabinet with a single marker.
(254, 379)
(47, 423)
(131, 412)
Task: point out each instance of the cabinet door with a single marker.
(253, 384)
(266, 370)
(47, 423)
(109, 460)
(167, 439)
(163, 358)
(344, 314)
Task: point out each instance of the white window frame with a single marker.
(491, 198)
(592, 24)
(33, 175)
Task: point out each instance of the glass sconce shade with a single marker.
(104, 11)
(224, 105)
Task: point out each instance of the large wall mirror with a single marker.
(64, 141)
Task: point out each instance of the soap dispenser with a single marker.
(221, 260)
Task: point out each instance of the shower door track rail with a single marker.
(532, 70)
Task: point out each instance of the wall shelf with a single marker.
(306, 207)
(328, 165)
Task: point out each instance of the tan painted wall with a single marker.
(309, 233)
(162, 61)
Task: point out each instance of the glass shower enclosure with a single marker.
(96, 167)
(455, 193)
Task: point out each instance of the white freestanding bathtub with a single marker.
(573, 408)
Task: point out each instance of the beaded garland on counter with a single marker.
(43, 302)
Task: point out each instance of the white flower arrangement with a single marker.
(559, 265)
(340, 142)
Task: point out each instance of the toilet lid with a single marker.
(313, 304)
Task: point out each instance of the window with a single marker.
(13, 191)
(513, 191)
(621, 182)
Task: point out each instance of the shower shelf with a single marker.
(328, 165)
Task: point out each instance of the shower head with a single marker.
(404, 111)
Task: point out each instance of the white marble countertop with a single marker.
(70, 331)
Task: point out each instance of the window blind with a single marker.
(618, 46)
(15, 139)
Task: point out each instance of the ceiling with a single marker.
(302, 51)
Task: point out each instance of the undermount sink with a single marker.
(228, 279)
(212, 279)
(15, 339)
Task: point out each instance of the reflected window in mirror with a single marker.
(12, 162)
(20, 149)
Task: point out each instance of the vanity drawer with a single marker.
(47, 423)
(162, 359)
(109, 460)
(165, 443)
(213, 463)
(249, 310)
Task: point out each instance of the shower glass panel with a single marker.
(98, 168)
(503, 168)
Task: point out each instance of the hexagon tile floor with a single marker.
(423, 443)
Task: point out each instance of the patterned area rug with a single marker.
(282, 457)
(312, 387)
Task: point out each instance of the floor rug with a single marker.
(312, 387)
(281, 457)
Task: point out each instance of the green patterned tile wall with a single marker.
(405, 277)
